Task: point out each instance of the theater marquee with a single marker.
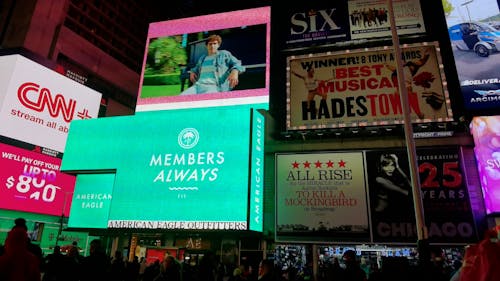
(360, 88)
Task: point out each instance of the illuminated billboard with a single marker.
(360, 88)
(168, 170)
(486, 132)
(444, 193)
(366, 196)
(38, 104)
(474, 30)
(257, 172)
(347, 21)
(211, 60)
(32, 182)
(320, 197)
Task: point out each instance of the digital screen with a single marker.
(473, 27)
(168, 175)
(32, 182)
(91, 200)
(257, 172)
(37, 101)
(181, 70)
(486, 133)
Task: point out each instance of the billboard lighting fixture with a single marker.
(303, 134)
(423, 126)
(442, 126)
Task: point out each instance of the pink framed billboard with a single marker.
(32, 182)
(486, 133)
(178, 49)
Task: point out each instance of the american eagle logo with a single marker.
(188, 138)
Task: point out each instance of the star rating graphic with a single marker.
(318, 164)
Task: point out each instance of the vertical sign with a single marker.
(391, 200)
(486, 132)
(448, 211)
(257, 172)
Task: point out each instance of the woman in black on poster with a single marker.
(392, 187)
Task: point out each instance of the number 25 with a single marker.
(450, 169)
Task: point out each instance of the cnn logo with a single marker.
(33, 97)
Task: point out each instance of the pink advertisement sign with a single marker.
(32, 182)
(486, 132)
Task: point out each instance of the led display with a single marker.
(171, 171)
(473, 27)
(486, 132)
(176, 49)
(32, 182)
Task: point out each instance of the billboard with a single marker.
(182, 70)
(486, 132)
(320, 197)
(197, 173)
(38, 104)
(344, 21)
(473, 27)
(448, 211)
(445, 198)
(391, 199)
(369, 19)
(338, 195)
(32, 182)
(359, 88)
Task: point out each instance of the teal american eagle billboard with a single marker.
(177, 169)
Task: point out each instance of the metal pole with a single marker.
(410, 143)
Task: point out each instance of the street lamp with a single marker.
(466, 4)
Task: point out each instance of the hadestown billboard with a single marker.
(37, 104)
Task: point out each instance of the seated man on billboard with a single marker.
(217, 71)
